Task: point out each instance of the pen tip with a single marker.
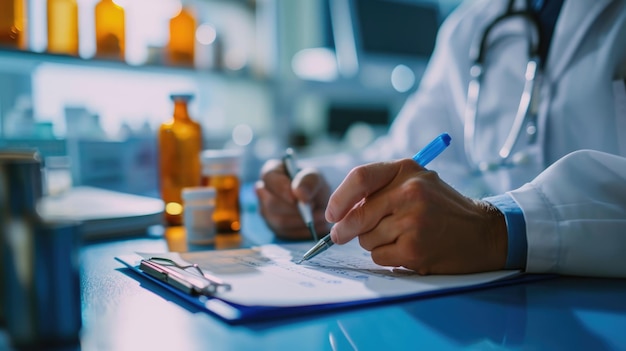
(299, 261)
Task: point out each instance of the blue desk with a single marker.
(123, 313)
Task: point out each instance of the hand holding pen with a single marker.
(359, 205)
(279, 192)
(305, 210)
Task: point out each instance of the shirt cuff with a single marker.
(516, 230)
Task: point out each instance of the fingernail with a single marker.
(329, 215)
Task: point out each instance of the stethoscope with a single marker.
(526, 115)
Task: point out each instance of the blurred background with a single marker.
(88, 82)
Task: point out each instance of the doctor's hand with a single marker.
(407, 216)
(278, 197)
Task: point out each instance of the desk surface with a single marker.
(121, 312)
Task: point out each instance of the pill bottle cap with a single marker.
(220, 155)
(225, 161)
(198, 193)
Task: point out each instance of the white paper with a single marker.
(268, 275)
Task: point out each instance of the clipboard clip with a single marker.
(193, 282)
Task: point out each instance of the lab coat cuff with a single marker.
(516, 230)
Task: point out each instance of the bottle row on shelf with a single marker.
(110, 25)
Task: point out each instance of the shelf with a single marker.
(19, 61)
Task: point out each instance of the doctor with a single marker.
(533, 94)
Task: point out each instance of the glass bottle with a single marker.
(180, 144)
(13, 23)
(220, 170)
(110, 30)
(182, 41)
(62, 26)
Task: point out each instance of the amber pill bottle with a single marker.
(180, 144)
(220, 170)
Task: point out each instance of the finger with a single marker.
(406, 251)
(403, 251)
(282, 218)
(360, 182)
(362, 218)
(369, 213)
(274, 206)
(276, 180)
(271, 166)
(387, 255)
(267, 202)
(310, 187)
(384, 233)
(306, 184)
(280, 212)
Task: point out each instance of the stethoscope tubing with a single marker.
(526, 112)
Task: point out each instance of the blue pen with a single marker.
(423, 157)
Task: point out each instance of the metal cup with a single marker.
(20, 188)
(39, 273)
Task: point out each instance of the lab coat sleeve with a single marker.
(516, 230)
(575, 214)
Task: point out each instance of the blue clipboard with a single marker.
(234, 313)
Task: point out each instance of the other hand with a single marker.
(278, 197)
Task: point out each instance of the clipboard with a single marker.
(215, 294)
(194, 282)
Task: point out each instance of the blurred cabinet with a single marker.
(53, 101)
(246, 79)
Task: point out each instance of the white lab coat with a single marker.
(575, 210)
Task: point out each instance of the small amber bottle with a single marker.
(62, 27)
(13, 24)
(110, 30)
(182, 42)
(180, 144)
(220, 170)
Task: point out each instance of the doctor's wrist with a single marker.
(496, 235)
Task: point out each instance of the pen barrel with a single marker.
(305, 212)
(432, 150)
